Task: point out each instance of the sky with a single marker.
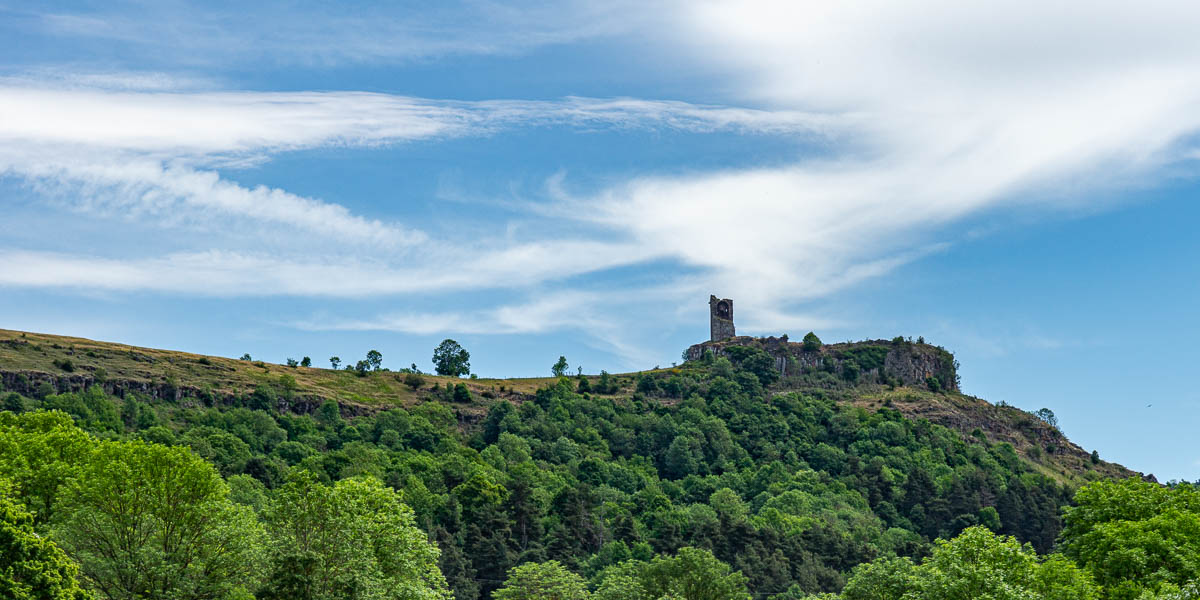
(1014, 182)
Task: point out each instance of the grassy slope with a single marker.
(38, 353)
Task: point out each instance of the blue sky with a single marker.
(544, 178)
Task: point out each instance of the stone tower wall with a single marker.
(720, 312)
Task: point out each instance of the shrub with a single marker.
(462, 394)
(414, 380)
(812, 343)
(850, 370)
(605, 385)
(12, 402)
(647, 385)
(933, 383)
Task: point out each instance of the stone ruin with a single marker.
(899, 361)
(720, 319)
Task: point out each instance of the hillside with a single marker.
(790, 464)
(28, 360)
(66, 364)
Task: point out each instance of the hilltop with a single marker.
(917, 379)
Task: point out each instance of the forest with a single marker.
(706, 481)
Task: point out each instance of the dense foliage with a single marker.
(703, 484)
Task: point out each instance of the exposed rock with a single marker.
(906, 363)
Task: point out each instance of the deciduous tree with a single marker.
(150, 521)
(542, 581)
(449, 358)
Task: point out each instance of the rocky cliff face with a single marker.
(33, 384)
(899, 361)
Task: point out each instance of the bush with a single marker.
(647, 385)
(12, 402)
(414, 380)
(933, 383)
(462, 394)
(812, 343)
(850, 370)
(605, 385)
(65, 364)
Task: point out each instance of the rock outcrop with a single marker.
(899, 361)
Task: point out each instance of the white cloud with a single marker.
(196, 124)
(958, 110)
(150, 152)
(222, 273)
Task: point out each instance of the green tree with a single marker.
(39, 452)
(882, 579)
(693, 574)
(349, 541)
(560, 368)
(812, 343)
(605, 385)
(31, 566)
(334, 362)
(622, 581)
(152, 521)
(451, 359)
(375, 359)
(976, 564)
(1135, 536)
(1047, 416)
(542, 581)
(306, 362)
(13, 402)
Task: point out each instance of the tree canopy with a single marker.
(31, 566)
(451, 359)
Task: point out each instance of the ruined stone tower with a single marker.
(720, 318)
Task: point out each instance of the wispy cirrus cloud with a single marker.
(158, 153)
(204, 123)
(319, 33)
